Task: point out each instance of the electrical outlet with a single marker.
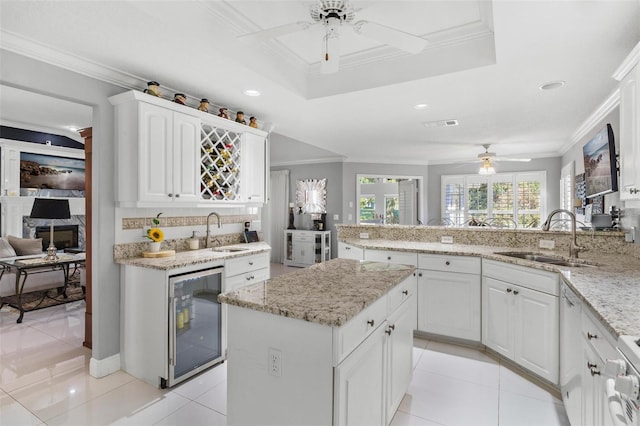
(349, 217)
(546, 244)
(336, 217)
(364, 235)
(274, 363)
(446, 240)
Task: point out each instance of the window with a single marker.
(504, 199)
(367, 209)
(391, 210)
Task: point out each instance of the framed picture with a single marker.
(39, 171)
(601, 173)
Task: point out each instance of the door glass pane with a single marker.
(198, 322)
(367, 209)
(391, 211)
(454, 203)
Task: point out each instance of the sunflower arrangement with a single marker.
(155, 234)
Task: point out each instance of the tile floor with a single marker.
(44, 380)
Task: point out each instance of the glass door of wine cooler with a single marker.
(195, 323)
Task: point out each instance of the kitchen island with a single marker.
(331, 344)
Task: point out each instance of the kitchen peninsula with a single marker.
(331, 344)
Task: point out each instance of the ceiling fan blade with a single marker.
(390, 36)
(523, 160)
(276, 31)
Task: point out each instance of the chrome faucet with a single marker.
(206, 241)
(574, 248)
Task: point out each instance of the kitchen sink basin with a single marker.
(228, 249)
(543, 258)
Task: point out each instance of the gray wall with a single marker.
(28, 74)
(550, 165)
(333, 173)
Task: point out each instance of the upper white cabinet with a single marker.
(629, 76)
(168, 153)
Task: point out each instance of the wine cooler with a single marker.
(196, 329)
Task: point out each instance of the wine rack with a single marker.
(219, 164)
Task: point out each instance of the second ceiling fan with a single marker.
(333, 14)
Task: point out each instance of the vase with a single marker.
(154, 246)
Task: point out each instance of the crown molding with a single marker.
(611, 103)
(629, 62)
(307, 161)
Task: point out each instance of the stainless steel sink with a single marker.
(228, 249)
(543, 258)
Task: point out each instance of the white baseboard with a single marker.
(103, 367)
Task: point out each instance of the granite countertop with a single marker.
(329, 293)
(611, 290)
(196, 257)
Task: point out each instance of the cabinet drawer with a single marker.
(303, 236)
(240, 265)
(400, 293)
(595, 334)
(401, 257)
(351, 334)
(448, 263)
(534, 279)
(237, 281)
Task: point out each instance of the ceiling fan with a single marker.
(486, 158)
(332, 14)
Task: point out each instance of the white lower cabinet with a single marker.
(598, 346)
(245, 270)
(449, 296)
(519, 322)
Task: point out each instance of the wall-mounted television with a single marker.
(601, 173)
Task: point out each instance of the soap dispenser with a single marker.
(194, 242)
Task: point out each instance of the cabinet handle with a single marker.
(392, 326)
(177, 195)
(250, 278)
(388, 331)
(591, 366)
(405, 292)
(591, 336)
(594, 372)
(515, 292)
(170, 195)
(447, 263)
(388, 257)
(347, 248)
(371, 322)
(634, 190)
(419, 274)
(509, 290)
(251, 263)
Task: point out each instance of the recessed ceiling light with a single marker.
(420, 106)
(553, 85)
(251, 92)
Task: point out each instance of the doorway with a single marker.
(388, 199)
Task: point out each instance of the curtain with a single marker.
(277, 213)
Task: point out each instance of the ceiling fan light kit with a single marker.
(487, 168)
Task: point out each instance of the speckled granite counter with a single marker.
(195, 257)
(611, 290)
(329, 293)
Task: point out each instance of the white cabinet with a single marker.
(571, 354)
(598, 346)
(520, 320)
(347, 251)
(158, 154)
(401, 257)
(629, 75)
(245, 270)
(304, 248)
(449, 296)
(253, 168)
(359, 392)
(169, 153)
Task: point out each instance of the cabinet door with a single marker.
(155, 174)
(359, 383)
(497, 306)
(400, 355)
(630, 136)
(253, 179)
(186, 154)
(449, 304)
(537, 338)
(304, 252)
